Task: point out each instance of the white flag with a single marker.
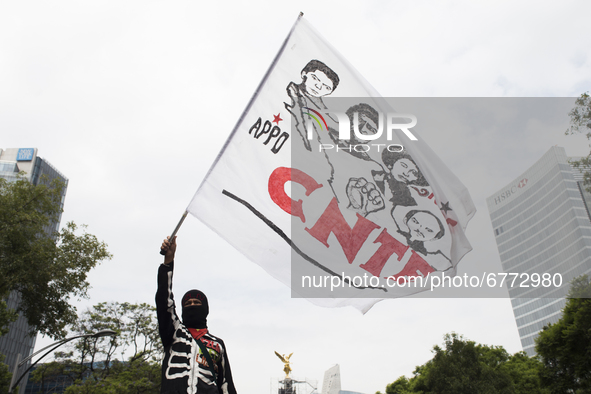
(328, 189)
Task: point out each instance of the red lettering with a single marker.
(332, 221)
(416, 266)
(277, 182)
(451, 222)
(389, 246)
(425, 193)
(211, 344)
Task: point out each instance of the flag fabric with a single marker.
(321, 186)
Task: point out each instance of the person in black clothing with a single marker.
(195, 362)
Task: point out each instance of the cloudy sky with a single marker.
(133, 100)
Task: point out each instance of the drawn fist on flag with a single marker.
(364, 197)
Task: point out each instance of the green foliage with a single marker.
(563, 364)
(47, 373)
(464, 366)
(7, 316)
(46, 269)
(524, 372)
(580, 287)
(5, 376)
(580, 116)
(580, 121)
(91, 363)
(399, 386)
(133, 377)
(565, 347)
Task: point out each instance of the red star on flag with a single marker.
(277, 118)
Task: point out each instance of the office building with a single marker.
(55, 384)
(332, 382)
(37, 170)
(542, 225)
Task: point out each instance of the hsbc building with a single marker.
(542, 225)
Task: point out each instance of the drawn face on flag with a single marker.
(367, 126)
(366, 119)
(317, 84)
(318, 80)
(423, 226)
(405, 171)
(419, 227)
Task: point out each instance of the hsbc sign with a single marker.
(510, 191)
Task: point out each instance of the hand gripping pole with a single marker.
(176, 229)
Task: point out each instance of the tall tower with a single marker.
(12, 161)
(332, 380)
(542, 225)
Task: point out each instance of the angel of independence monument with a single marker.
(288, 385)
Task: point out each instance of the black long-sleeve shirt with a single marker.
(184, 368)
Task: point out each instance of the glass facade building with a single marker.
(53, 385)
(542, 225)
(37, 170)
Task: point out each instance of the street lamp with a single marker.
(53, 346)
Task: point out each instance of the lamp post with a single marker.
(53, 346)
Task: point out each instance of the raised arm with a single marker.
(165, 308)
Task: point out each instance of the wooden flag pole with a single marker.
(176, 229)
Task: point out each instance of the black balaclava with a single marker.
(195, 316)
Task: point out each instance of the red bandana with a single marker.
(197, 333)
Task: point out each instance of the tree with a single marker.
(399, 386)
(565, 347)
(524, 372)
(7, 316)
(580, 115)
(91, 363)
(48, 373)
(464, 366)
(5, 376)
(133, 377)
(580, 121)
(45, 269)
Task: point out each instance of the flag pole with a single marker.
(176, 229)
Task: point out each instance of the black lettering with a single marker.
(279, 142)
(274, 133)
(255, 126)
(265, 130)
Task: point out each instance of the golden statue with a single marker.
(286, 367)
